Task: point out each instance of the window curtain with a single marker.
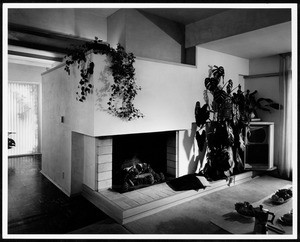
(285, 164)
(23, 119)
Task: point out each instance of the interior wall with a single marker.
(77, 164)
(70, 21)
(65, 160)
(169, 92)
(191, 159)
(59, 102)
(116, 28)
(83, 111)
(84, 162)
(146, 36)
(189, 155)
(56, 135)
(268, 87)
(25, 73)
(90, 162)
(67, 105)
(167, 99)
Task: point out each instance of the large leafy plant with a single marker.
(124, 87)
(222, 122)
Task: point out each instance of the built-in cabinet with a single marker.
(259, 146)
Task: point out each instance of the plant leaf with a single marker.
(276, 106)
(265, 109)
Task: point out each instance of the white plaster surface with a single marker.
(167, 99)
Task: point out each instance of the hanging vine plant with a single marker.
(124, 88)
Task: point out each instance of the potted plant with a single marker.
(222, 122)
(124, 88)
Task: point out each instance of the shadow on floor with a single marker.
(36, 206)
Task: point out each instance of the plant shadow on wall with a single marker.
(102, 93)
(222, 122)
(123, 89)
(190, 150)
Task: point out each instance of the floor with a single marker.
(195, 217)
(36, 206)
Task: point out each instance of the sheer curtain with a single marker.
(285, 164)
(23, 119)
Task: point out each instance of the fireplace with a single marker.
(152, 155)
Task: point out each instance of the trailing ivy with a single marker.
(124, 87)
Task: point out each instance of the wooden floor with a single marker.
(136, 204)
(36, 206)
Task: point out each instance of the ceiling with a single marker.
(260, 43)
(255, 44)
(184, 16)
(180, 15)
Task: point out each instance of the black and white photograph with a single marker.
(149, 121)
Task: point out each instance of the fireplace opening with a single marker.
(141, 160)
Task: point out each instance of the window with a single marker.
(23, 117)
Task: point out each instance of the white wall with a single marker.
(233, 66)
(145, 36)
(25, 73)
(168, 97)
(90, 162)
(56, 136)
(146, 39)
(169, 93)
(268, 87)
(116, 26)
(83, 162)
(190, 158)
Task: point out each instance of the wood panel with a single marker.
(104, 160)
(171, 154)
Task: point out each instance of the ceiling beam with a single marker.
(36, 46)
(42, 40)
(25, 54)
(45, 33)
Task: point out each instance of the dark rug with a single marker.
(186, 182)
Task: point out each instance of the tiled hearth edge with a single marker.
(130, 206)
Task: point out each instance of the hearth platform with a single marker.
(133, 205)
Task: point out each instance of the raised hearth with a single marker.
(134, 205)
